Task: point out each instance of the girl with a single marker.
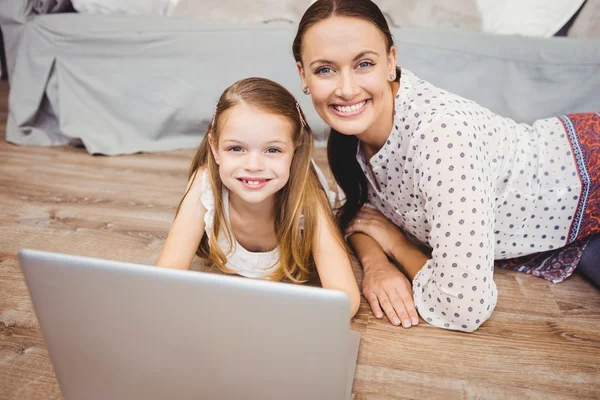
(450, 186)
(254, 205)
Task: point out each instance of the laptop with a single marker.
(117, 330)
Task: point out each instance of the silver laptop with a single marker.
(116, 330)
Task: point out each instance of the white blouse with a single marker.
(474, 187)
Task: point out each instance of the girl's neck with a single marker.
(373, 139)
(253, 225)
(263, 211)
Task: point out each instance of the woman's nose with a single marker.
(347, 86)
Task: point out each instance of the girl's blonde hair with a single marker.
(302, 195)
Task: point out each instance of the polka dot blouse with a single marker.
(474, 187)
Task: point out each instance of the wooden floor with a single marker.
(543, 340)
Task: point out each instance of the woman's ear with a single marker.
(305, 89)
(213, 148)
(392, 61)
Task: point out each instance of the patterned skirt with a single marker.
(583, 131)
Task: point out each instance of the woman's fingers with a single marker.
(374, 303)
(409, 303)
(388, 308)
(368, 212)
(387, 289)
(399, 306)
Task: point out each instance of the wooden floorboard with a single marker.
(543, 340)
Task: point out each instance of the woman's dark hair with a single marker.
(341, 149)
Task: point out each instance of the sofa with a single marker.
(120, 84)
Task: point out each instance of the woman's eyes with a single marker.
(327, 70)
(323, 71)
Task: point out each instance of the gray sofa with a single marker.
(123, 84)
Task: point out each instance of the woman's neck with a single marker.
(373, 139)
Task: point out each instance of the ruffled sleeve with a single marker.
(208, 201)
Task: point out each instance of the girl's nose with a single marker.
(253, 162)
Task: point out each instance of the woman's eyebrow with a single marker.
(364, 53)
(358, 56)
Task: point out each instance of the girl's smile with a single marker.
(253, 183)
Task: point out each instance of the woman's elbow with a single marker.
(458, 313)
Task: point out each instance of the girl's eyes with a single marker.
(270, 150)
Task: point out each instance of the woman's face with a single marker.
(346, 68)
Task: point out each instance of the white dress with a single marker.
(240, 260)
(474, 187)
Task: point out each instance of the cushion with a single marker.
(527, 17)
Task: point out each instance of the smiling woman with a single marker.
(437, 183)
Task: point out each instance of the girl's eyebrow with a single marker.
(233, 141)
(358, 56)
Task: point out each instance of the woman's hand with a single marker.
(373, 223)
(385, 287)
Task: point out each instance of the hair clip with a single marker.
(300, 115)
(212, 123)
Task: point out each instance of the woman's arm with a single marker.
(384, 286)
(333, 263)
(391, 239)
(187, 229)
(456, 289)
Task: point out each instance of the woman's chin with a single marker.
(350, 128)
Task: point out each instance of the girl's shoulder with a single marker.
(205, 195)
(199, 191)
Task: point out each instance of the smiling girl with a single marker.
(255, 205)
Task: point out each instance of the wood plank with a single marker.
(543, 340)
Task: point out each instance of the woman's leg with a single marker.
(589, 264)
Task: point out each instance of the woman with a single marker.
(438, 183)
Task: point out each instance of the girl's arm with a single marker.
(333, 263)
(187, 229)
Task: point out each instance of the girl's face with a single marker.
(347, 68)
(254, 152)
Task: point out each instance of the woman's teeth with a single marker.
(352, 108)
